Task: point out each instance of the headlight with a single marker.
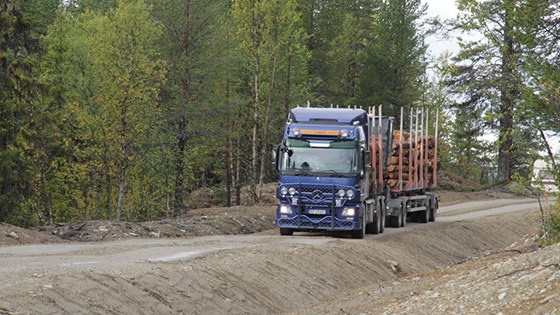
(296, 132)
(344, 133)
(350, 193)
(285, 209)
(283, 190)
(340, 193)
(349, 212)
(292, 191)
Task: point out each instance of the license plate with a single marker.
(317, 211)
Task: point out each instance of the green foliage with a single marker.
(338, 34)
(395, 63)
(122, 108)
(108, 72)
(267, 31)
(489, 73)
(551, 225)
(19, 92)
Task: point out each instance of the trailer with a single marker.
(348, 170)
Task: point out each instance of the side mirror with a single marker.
(275, 155)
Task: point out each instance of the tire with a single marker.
(388, 221)
(433, 211)
(383, 218)
(376, 227)
(359, 234)
(396, 221)
(424, 215)
(403, 213)
(286, 231)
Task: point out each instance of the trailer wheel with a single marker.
(388, 221)
(433, 211)
(403, 213)
(382, 217)
(396, 221)
(424, 216)
(286, 231)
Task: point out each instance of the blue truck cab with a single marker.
(322, 162)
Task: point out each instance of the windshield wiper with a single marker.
(335, 173)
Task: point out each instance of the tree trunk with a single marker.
(122, 177)
(264, 145)
(548, 149)
(179, 204)
(228, 168)
(288, 96)
(182, 125)
(256, 43)
(108, 187)
(507, 90)
(238, 173)
(123, 159)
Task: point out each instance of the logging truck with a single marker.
(350, 170)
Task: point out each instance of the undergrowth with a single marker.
(550, 217)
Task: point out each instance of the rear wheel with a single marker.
(424, 215)
(375, 227)
(383, 218)
(286, 231)
(433, 211)
(396, 221)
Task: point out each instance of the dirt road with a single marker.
(257, 273)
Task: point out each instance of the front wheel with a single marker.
(359, 234)
(286, 231)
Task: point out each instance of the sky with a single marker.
(445, 9)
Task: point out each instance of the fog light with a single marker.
(344, 133)
(292, 191)
(285, 209)
(283, 190)
(349, 212)
(350, 193)
(341, 193)
(296, 132)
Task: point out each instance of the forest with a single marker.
(123, 109)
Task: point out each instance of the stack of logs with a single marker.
(412, 158)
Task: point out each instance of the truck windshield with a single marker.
(338, 158)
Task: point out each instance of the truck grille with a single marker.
(317, 194)
(309, 223)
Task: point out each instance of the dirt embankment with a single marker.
(521, 279)
(198, 222)
(267, 274)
